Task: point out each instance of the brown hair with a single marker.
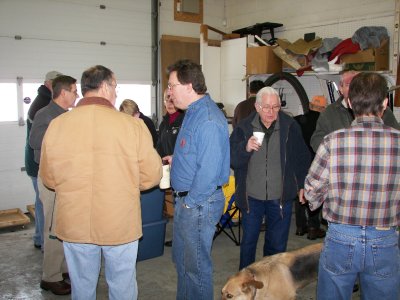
(187, 72)
(93, 77)
(367, 92)
(62, 82)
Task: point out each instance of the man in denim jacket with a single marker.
(200, 167)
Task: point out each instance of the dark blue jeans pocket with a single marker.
(385, 260)
(337, 256)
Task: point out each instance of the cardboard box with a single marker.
(301, 60)
(151, 244)
(369, 59)
(169, 204)
(262, 60)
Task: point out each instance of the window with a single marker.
(188, 11)
(140, 93)
(29, 90)
(8, 102)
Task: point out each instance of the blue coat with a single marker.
(295, 158)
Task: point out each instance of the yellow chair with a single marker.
(231, 211)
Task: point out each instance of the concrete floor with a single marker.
(20, 268)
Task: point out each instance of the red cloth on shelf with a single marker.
(345, 47)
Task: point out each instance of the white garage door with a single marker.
(37, 36)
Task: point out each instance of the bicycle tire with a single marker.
(295, 83)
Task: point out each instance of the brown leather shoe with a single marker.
(315, 233)
(57, 288)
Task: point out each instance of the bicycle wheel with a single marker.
(295, 83)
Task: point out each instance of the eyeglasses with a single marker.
(269, 108)
(171, 86)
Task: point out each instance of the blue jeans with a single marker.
(276, 235)
(84, 262)
(357, 251)
(39, 216)
(193, 233)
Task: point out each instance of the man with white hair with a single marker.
(269, 175)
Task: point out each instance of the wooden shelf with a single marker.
(12, 217)
(31, 209)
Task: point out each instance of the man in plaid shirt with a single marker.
(356, 174)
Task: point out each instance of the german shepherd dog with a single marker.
(275, 277)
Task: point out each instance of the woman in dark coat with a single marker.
(168, 131)
(169, 127)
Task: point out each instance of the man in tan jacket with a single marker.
(97, 160)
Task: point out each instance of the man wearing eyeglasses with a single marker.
(97, 160)
(55, 269)
(200, 166)
(269, 175)
(339, 115)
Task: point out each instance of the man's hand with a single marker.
(168, 159)
(302, 199)
(252, 144)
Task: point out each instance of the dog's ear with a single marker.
(248, 285)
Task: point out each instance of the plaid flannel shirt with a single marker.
(356, 172)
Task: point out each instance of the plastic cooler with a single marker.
(151, 243)
(152, 202)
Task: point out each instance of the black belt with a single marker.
(184, 193)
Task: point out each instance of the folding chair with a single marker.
(226, 223)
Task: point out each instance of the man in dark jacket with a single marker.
(246, 107)
(268, 175)
(338, 115)
(54, 269)
(42, 99)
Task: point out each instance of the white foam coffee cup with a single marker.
(165, 180)
(259, 136)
